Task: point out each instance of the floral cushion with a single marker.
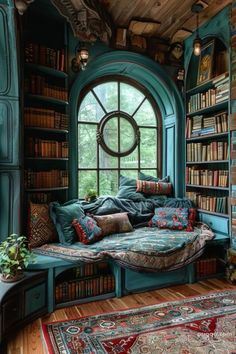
(87, 229)
(114, 223)
(171, 218)
(40, 227)
(150, 187)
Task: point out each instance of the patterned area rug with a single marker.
(202, 324)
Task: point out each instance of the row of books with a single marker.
(200, 125)
(214, 178)
(204, 99)
(207, 266)
(209, 202)
(36, 53)
(45, 118)
(85, 270)
(38, 85)
(45, 179)
(40, 197)
(214, 151)
(222, 89)
(79, 289)
(36, 147)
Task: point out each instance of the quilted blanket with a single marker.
(144, 249)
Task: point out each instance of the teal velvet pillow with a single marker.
(170, 218)
(62, 217)
(143, 177)
(127, 190)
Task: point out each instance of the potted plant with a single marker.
(91, 195)
(14, 258)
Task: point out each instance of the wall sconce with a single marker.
(197, 43)
(81, 59)
(22, 5)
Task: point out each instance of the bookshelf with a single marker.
(207, 171)
(46, 116)
(88, 282)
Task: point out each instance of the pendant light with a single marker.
(197, 43)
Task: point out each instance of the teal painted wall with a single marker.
(10, 146)
(158, 82)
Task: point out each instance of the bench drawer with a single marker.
(35, 299)
(217, 223)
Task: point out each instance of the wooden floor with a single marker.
(28, 340)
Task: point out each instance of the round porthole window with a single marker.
(126, 127)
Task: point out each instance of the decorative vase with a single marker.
(12, 279)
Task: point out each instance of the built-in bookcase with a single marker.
(207, 138)
(45, 112)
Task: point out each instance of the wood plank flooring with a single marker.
(29, 341)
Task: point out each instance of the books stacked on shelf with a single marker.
(36, 53)
(221, 84)
(209, 202)
(201, 100)
(45, 118)
(88, 280)
(36, 147)
(200, 177)
(207, 266)
(200, 125)
(209, 151)
(46, 179)
(82, 288)
(40, 197)
(39, 85)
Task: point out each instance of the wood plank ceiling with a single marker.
(173, 15)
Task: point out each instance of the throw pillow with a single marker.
(114, 223)
(149, 187)
(127, 190)
(87, 229)
(170, 218)
(62, 217)
(40, 227)
(145, 177)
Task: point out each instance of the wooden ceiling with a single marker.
(174, 19)
(172, 15)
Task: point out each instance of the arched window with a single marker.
(119, 133)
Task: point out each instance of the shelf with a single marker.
(204, 86)
(47, 70)
(48, 158)
(46, 189)
(85, 299)
(216, 107)
(207, 187)
(213, 213)
(206, 162)
(51, 100)
(47, 130)
(207, 137)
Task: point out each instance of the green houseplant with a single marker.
(90, 195)
(14, 257)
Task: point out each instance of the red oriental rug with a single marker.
(202, 324)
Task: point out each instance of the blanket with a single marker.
(144, 249)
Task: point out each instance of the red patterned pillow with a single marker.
(87, 229)
(150, 187)
(192, 214)
(40, 227)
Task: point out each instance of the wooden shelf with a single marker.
(206, 162)
(204, 86)
(207, 187)
(207, 137)
(212, 213)
(51, 100)
(48, 130)
(46, 189)
(214, 108)
(46, 70)
(48, 158)
(85, 299)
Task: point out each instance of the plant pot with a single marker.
(12, 279)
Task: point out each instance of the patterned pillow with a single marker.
(40, 227)
(150, 187)
(192, 215)
(114, 223)
(87, 229)
(170, 218)
(127, 190)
